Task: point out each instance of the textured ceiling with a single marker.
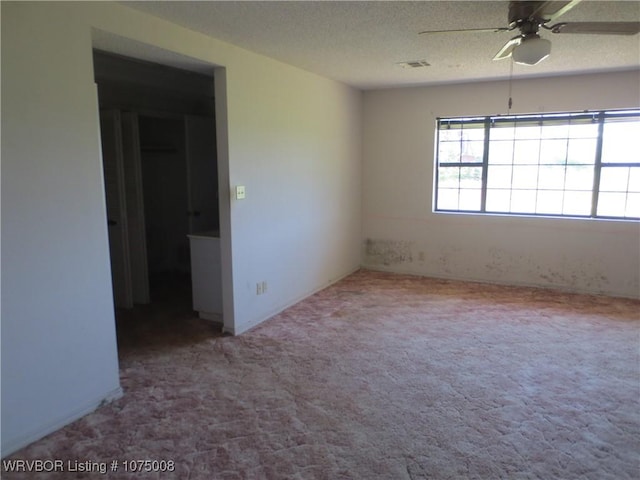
(361, 43)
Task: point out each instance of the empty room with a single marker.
(320, 240)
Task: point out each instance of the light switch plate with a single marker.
(240, 193)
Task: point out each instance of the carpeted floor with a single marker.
(380, 376)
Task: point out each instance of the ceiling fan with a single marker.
(529, 17)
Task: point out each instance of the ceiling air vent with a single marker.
(414, 64)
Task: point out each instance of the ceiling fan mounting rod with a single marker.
(525, 15)
(529, 27)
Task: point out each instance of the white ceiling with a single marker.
(361, 43)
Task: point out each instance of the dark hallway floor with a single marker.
(169, 320)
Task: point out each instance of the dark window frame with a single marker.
(566, 120)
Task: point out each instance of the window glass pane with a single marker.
(472, 151)
(634, 179)
(549, 201)
(449, 152)
(498, 200)
(555, 131)
(526, 152)
(577, 203)
(499, 176)
(470, 199)
(633, 205)
(471, 177)
(621, 142)
(476, 132)
(501, 151)
(448, 198)
(448, 177)
(502, 131)
(525, 177)
(523, 201)
(611, 204)
(551, 177)
(553, 152)
(579, 177)
(450, 134)
(581, 151)
(614, 179)
(582, 130)
(524, 132)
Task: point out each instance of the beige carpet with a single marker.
(378, 377)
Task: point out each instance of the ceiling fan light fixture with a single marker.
(532, 50)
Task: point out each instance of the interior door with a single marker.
(202, 172)
(135, 207)
(113, 165)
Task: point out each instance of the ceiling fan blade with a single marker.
(468, 30)
(553, 9)
(508, 47)
(598, 28)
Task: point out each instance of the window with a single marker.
(582, 164)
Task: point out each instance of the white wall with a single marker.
(293, 141)
(296, 147)
(403, 235)
(59, 357)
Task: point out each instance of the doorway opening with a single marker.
(158, 135)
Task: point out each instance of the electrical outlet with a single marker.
(261, 288)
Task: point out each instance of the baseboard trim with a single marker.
(249, 325)
(16, 444)
(546, 286)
